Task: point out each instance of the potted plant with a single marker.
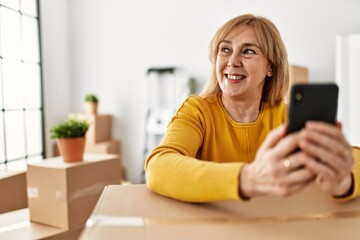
(70, 137)
(91, 102)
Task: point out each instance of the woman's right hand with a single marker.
(277, 169)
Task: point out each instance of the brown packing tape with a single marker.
(84, 192)
(97, 188)
(88, 191)
(137, 221)
(33, 192)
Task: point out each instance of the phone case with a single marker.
(312, 102)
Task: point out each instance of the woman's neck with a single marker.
(241, 111)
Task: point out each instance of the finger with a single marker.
(325, 128)
(326, 158)
(299, 176)
(335, 145)
(339, 125)
(274, 137)
(325, 141)
(321, 169)
(338, 158)
(287, 146)
(285, 191)
(296, 160)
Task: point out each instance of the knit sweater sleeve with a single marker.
(356, 176)
(173, 170)
(356, 172)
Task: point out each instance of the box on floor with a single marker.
(297, 74)
(15, 225)
(63, 194)
(12, 190)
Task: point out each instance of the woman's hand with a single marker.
(332, 154)
(276, 171)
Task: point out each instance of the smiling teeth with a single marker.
(235, 77)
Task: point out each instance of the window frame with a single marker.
(6, 161)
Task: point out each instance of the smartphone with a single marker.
(316, 102)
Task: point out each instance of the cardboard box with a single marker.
(297, 74)
(56, 151)
(12, 190)
(100, 129)
(15, 225)
(111, 147)
(134, 212)
(64, 194)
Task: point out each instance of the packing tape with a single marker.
(84, 192)
(32, 192)
(90, 190)
(105, 220)
(137, 221)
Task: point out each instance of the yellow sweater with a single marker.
(200, 156)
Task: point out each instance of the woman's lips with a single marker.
(234, 77)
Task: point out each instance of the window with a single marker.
(21, 116)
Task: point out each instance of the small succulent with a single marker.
(91, 98)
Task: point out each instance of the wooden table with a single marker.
(134, 212)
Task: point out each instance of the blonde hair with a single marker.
(271, 45)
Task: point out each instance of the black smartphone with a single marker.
(317, 102)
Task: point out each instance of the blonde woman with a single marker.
(229, 142)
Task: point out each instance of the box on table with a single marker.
(64, 194)
(15, 225)
(12, 190)
(100, 129)
(111, 147)
(134, 212)
(56, 151)
(297, 74)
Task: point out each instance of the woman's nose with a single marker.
(235, 61)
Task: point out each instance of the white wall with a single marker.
(111, 43)
(55, 63)
(347, 77)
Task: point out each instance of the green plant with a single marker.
(91, 98)
(69, 129)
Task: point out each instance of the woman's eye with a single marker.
(248, 51)
(225, 49)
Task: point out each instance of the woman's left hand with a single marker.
(332, 154)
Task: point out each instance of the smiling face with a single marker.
(241, 67)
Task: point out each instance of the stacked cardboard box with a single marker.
(12, 190)
(60, 196)
(15, 225)
(63, 195)
(99, 136)
(297, 74)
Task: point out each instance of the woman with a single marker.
(229, 143)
